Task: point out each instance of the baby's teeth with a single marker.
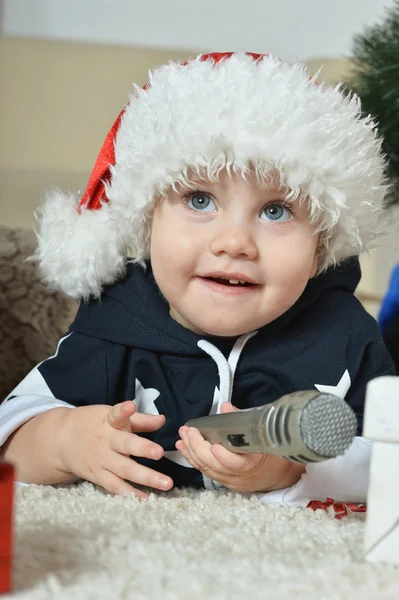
(234, 281)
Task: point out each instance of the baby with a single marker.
(246, 192)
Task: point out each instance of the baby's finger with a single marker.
(227, 407)
(131, 444)
(119, 414)
(199, 451)
(184, 452)
(115, 485)
(128, 469)
(142, 422)
(233, 461)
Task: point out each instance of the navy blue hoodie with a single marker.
(126, 346)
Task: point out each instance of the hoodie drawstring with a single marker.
(226, 368)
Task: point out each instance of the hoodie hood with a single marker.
(142, 314)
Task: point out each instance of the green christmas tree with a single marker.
(375, 78)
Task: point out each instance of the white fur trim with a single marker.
(78, 253)
(204, 116)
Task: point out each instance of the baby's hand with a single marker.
(238, 472)
(97, 441)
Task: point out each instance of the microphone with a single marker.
(302, 427)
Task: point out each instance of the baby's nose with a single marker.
(235, 242)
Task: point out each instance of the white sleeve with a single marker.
(344, 478)
(30, 398)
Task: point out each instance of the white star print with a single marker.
(145, 402)
(145, 398)
(340, 390)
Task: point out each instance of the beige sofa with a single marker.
(32, 319)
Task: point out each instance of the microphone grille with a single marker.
(328, 425)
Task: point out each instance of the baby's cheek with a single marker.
(295, 266)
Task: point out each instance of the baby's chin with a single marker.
(226, 330)
(217, 327)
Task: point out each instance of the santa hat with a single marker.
(234, 110)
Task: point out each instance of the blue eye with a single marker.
(201, 202)
(276, 212)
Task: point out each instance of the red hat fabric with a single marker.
(95, 192)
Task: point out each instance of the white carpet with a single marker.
(79, 543)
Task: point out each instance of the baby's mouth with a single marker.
(229, 282)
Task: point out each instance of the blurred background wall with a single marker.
(66, 68)
(292, 28)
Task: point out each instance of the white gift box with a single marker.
(381, 424)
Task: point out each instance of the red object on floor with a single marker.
(6, 528)
(340, 508)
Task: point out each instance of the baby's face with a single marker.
(207, 240)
